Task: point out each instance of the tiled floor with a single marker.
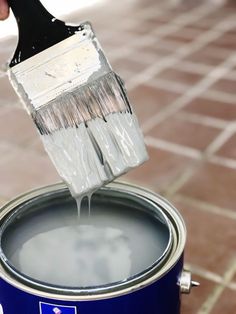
(179, 63)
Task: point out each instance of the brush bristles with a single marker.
(91, 134)
(94, 100)
(87, 157)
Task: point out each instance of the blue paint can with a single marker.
(155, 288)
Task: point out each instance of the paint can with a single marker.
(156, 288)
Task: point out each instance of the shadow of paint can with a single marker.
(152, 288)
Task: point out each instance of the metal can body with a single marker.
(162, 297)
(158, 292)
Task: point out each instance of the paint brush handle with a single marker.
(38, 29)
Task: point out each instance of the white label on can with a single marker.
(48, 308)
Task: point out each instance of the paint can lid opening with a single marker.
(44, 242)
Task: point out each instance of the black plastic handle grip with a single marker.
(38, 29)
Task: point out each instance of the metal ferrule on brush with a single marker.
(69, 83)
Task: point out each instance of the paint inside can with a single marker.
(47, 243)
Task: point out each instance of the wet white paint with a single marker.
(59, 249)
(86, 166)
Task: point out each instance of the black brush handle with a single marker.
(38, 29)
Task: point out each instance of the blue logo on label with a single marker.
(46, 308)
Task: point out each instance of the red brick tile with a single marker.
(182, 132)
(184, 7)
(22, 170)
(214, 184)
(165, 17)
(7, 93)
(204, 24)
(145, 29)
(118, 41)
(161, 170)
(161, 47)
(210, 238)
(147, 58)
(129, 64)
(225, 41)
(228, 150)
(125, 75)
(221, 13)
(185, 34)
(207, 56)
(37, 146)
(212, 108)
(211, 20)
(230, 4)
(225, 85)
(180, 76)
(147, 100)
(232, 31)
(16, 126)
(226, 304)
(192, 303)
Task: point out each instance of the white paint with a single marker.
(85, 166)
(87, 252)
(58, 248)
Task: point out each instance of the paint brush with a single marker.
(78, 103)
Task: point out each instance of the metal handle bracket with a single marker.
(186, 283)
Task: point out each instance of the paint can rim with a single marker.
(172, 254)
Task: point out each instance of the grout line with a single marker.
(209, 304)
(197, 270)
(206, 207)
(192, 67)
(216, 51)
(179, 182)
(152, 11)
(204, 120)
(221, 139)
(192, 93)
(231, 76)
(232, 286)
(195, 14)
(206, 274)
(177, 87)
(173, 148)
(147, 57)
(223, 161)
(231, 20)
(168, 85)
(220, 96)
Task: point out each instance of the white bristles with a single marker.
(88, 157)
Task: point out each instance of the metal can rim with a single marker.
(179, 236)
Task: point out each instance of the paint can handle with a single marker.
(186, 283)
